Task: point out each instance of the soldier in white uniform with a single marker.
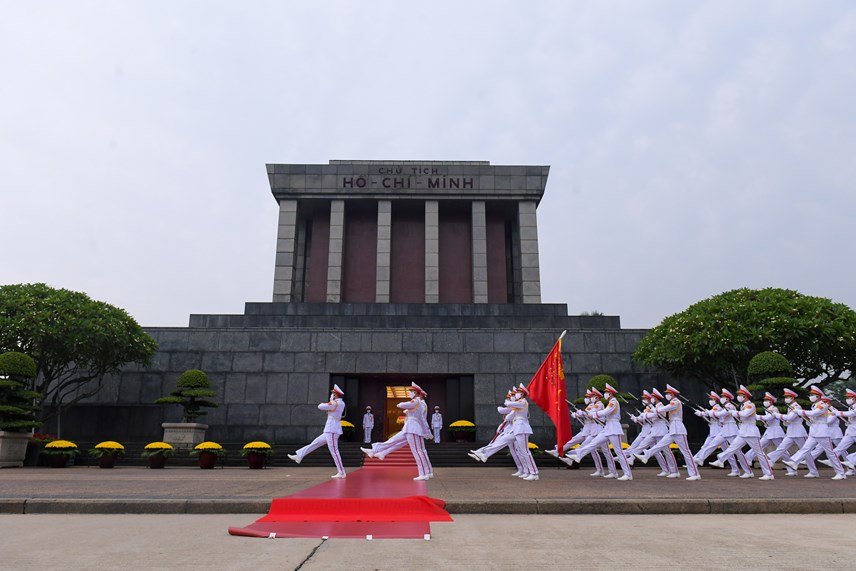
(674, 410)
(332, 429)
(517, 435)
(659, 429)
(413, 433)
(593, 443)
(437, 424)
(849, 417)
(773, 433)
(749, 434)
(368, 425)
(728, 433)
(818, 433)
(611, 434)
(835, 432)
(795, 433)
(713, 438)
(503, 433)
(589, 430)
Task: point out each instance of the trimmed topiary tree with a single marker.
(771, 372)
(18, 403)
(192, 393)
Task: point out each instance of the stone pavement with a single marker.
(476, 490)
(471, 542)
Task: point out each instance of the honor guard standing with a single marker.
(368, 425)
(749, 434)
(818, 433)
(611, 433)
(437, 424)
(795, 433)
(674, 410)
(334, 408)
(773, 433)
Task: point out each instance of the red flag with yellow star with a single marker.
(547, 390)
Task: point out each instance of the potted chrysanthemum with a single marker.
(348, 429)
(106, 452)
(208, 452)
(157, 452)
(462, 431)
(58, 453)
(257, 453)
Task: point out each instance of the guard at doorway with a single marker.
(368, 425)
(437, 424)
(334, 408)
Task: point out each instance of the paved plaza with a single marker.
(480, 489)
(471, 542)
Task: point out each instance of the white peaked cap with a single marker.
(523, 390)
(609, 389)
(338, 391)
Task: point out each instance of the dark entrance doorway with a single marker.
(453, 394)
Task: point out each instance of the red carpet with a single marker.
(378, 500)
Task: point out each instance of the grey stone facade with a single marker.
(272, 365)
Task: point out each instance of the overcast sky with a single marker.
(694, 147)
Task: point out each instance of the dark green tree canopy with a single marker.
(599, 382)
(714, 340)
(74, 340)
(768, 364)
(17, 408)
(192, 393)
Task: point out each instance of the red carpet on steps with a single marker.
(380, 499)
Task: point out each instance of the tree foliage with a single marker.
(74, 340)
(715, 339)
(17, 402)
(192, 393)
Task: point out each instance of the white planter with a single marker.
(13, 448)
(183, 435)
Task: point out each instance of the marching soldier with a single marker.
(749, 434)
(503, 437)
(728, 433)
(611, 433)
(818, 433)
(773, 433)
(368, 425)
(795, 433)
(657, 428)
(849, 417)
(332, 429)
(517, 436)
(589, 430)
(413, 433)
(677, 434)
(714, 437)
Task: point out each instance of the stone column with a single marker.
(432, 251)
(283, 275)
(336, 249)
(530, 272)
(479, 231)
(384, 247)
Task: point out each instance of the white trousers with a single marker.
(332, 441)
(765, 444)
(754, 443)
(805, 454)
(436, 435)
(781, 451)
(723, 442)
(417, 448)
(665, 458)
(683, 446)
(367, 434)
(391, 445)
(602, 441)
